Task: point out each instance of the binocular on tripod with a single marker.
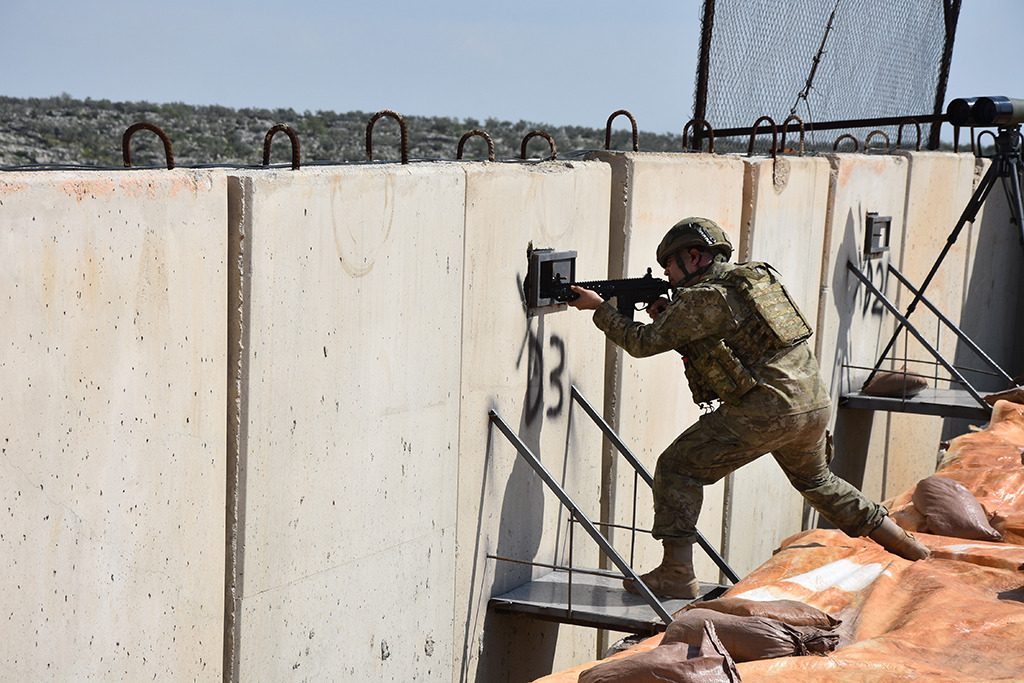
(985, 111)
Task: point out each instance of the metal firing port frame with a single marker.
(545, 268)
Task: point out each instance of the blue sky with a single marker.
(557, 62)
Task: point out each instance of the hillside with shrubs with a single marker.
(63, 131)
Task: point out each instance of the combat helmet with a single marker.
(702, 233)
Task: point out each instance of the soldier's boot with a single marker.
(893, 538)
(674, 577)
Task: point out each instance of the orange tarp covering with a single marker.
(958, 616)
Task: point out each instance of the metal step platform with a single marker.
(930, 401)
(963, 401)
(594, 599)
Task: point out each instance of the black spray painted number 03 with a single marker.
(535, 382)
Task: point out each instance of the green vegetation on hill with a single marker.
(63, 130)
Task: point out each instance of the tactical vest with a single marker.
(719, 368)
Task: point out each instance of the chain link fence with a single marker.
(824, 61)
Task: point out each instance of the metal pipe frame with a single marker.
(646, 476)
(811, 126)
(904, 323)
(568, 502)
(951, 325)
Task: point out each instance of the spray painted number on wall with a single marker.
(543, 390)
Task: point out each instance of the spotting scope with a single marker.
(985, 111)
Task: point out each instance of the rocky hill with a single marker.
(66, 131)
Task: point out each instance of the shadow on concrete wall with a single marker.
(508, 647)
(852, 427)
(514, 647)
(992, 312)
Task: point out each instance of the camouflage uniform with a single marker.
(772, 398)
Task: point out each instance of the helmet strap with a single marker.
(696, 274)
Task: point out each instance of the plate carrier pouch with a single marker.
(719, 368)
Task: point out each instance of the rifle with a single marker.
(628, 292)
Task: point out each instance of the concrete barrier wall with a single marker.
(113, 414)
(886, 453)
(370, 318)
(347, 445)
(523, 367)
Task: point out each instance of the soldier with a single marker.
(743, 345)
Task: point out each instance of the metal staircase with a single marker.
(594, 597)
(961, 399)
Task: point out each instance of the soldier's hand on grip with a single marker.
(657, 307)
(587, 300)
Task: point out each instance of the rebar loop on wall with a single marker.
(867, 140)
(775, 136)
(899, 135)
(785, 129)
(126, 152)
(700, 129)
(291, 136)
(478, 133)
(845, 136)
(693, 123)
(401, 123)
(534, 134)
(956, 141)
(608, 130)
(979, 140)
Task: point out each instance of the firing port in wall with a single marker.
(547, 268)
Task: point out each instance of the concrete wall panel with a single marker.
(348, 363)
(651, 404)
(993, 307)
(939, 187)
(113, 415)
(523, 367)
(785, 206)
(334, 625)
(852, 327)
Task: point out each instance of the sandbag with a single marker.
(751, 638)
(792, 612)
(1014, 395)
(669, 663)
(899, 383)
(952, 510)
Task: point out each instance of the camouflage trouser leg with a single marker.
(724, 440)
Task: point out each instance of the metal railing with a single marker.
(905, 325)
(578, 516)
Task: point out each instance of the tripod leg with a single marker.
(1014, 198)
